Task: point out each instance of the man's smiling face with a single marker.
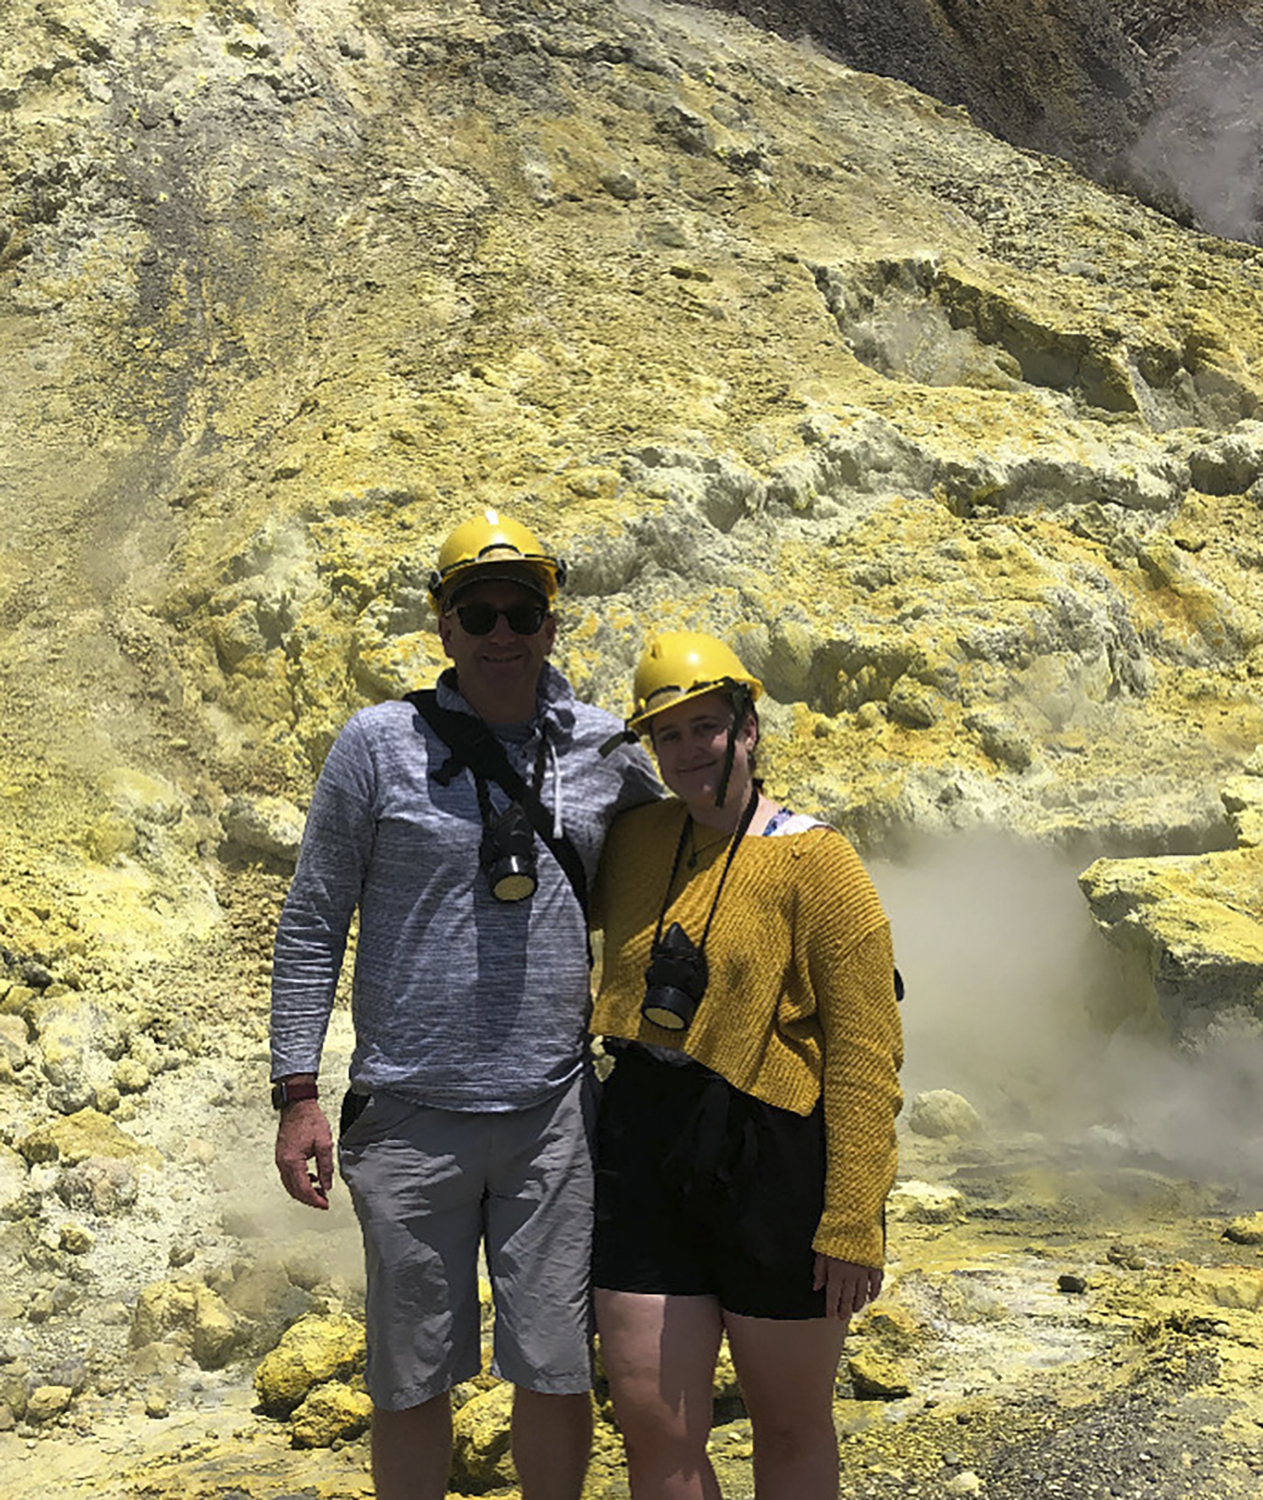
(497, 673)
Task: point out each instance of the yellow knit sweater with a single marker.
(800, 997)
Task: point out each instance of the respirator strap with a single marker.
(473, 746)
(485, 808)
(624, 736)
(738, 833)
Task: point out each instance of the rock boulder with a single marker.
(1189, 930)
(316, 1349)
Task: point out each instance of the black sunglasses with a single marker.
(480, 619)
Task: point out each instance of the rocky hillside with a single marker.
(1159, 100)
(1071, 79)
(962, 449)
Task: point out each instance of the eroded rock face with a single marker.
(958, 447)
(1075, 88)
(1243, 800)
(1190, 928)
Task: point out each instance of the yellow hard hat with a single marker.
(682, 664)
(491, 546)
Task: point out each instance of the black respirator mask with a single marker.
(507, 855)
(675, 980)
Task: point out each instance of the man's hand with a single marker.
(304, 1133)
(847, 1287)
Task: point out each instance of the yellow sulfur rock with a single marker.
(311, 1351)
(332, 1411)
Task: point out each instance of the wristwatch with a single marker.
(287, 1091)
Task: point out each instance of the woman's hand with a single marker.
(847, 1287)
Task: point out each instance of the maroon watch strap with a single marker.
(286, 1092)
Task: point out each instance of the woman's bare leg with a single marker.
(787, 1371)
(659, 1355)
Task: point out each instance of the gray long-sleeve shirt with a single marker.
(459, 1001)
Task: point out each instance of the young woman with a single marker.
(746, 1139)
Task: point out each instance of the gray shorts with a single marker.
(432, 1185)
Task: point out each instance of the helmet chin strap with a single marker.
(740, 708)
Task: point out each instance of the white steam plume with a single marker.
(1205, 142)
(1016, 1001)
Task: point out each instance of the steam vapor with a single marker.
(1017, 1002)
(1204, 145)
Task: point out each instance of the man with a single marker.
(466, 1123)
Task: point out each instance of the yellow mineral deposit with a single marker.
(961, 448)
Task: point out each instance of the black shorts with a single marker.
(702, 1190)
